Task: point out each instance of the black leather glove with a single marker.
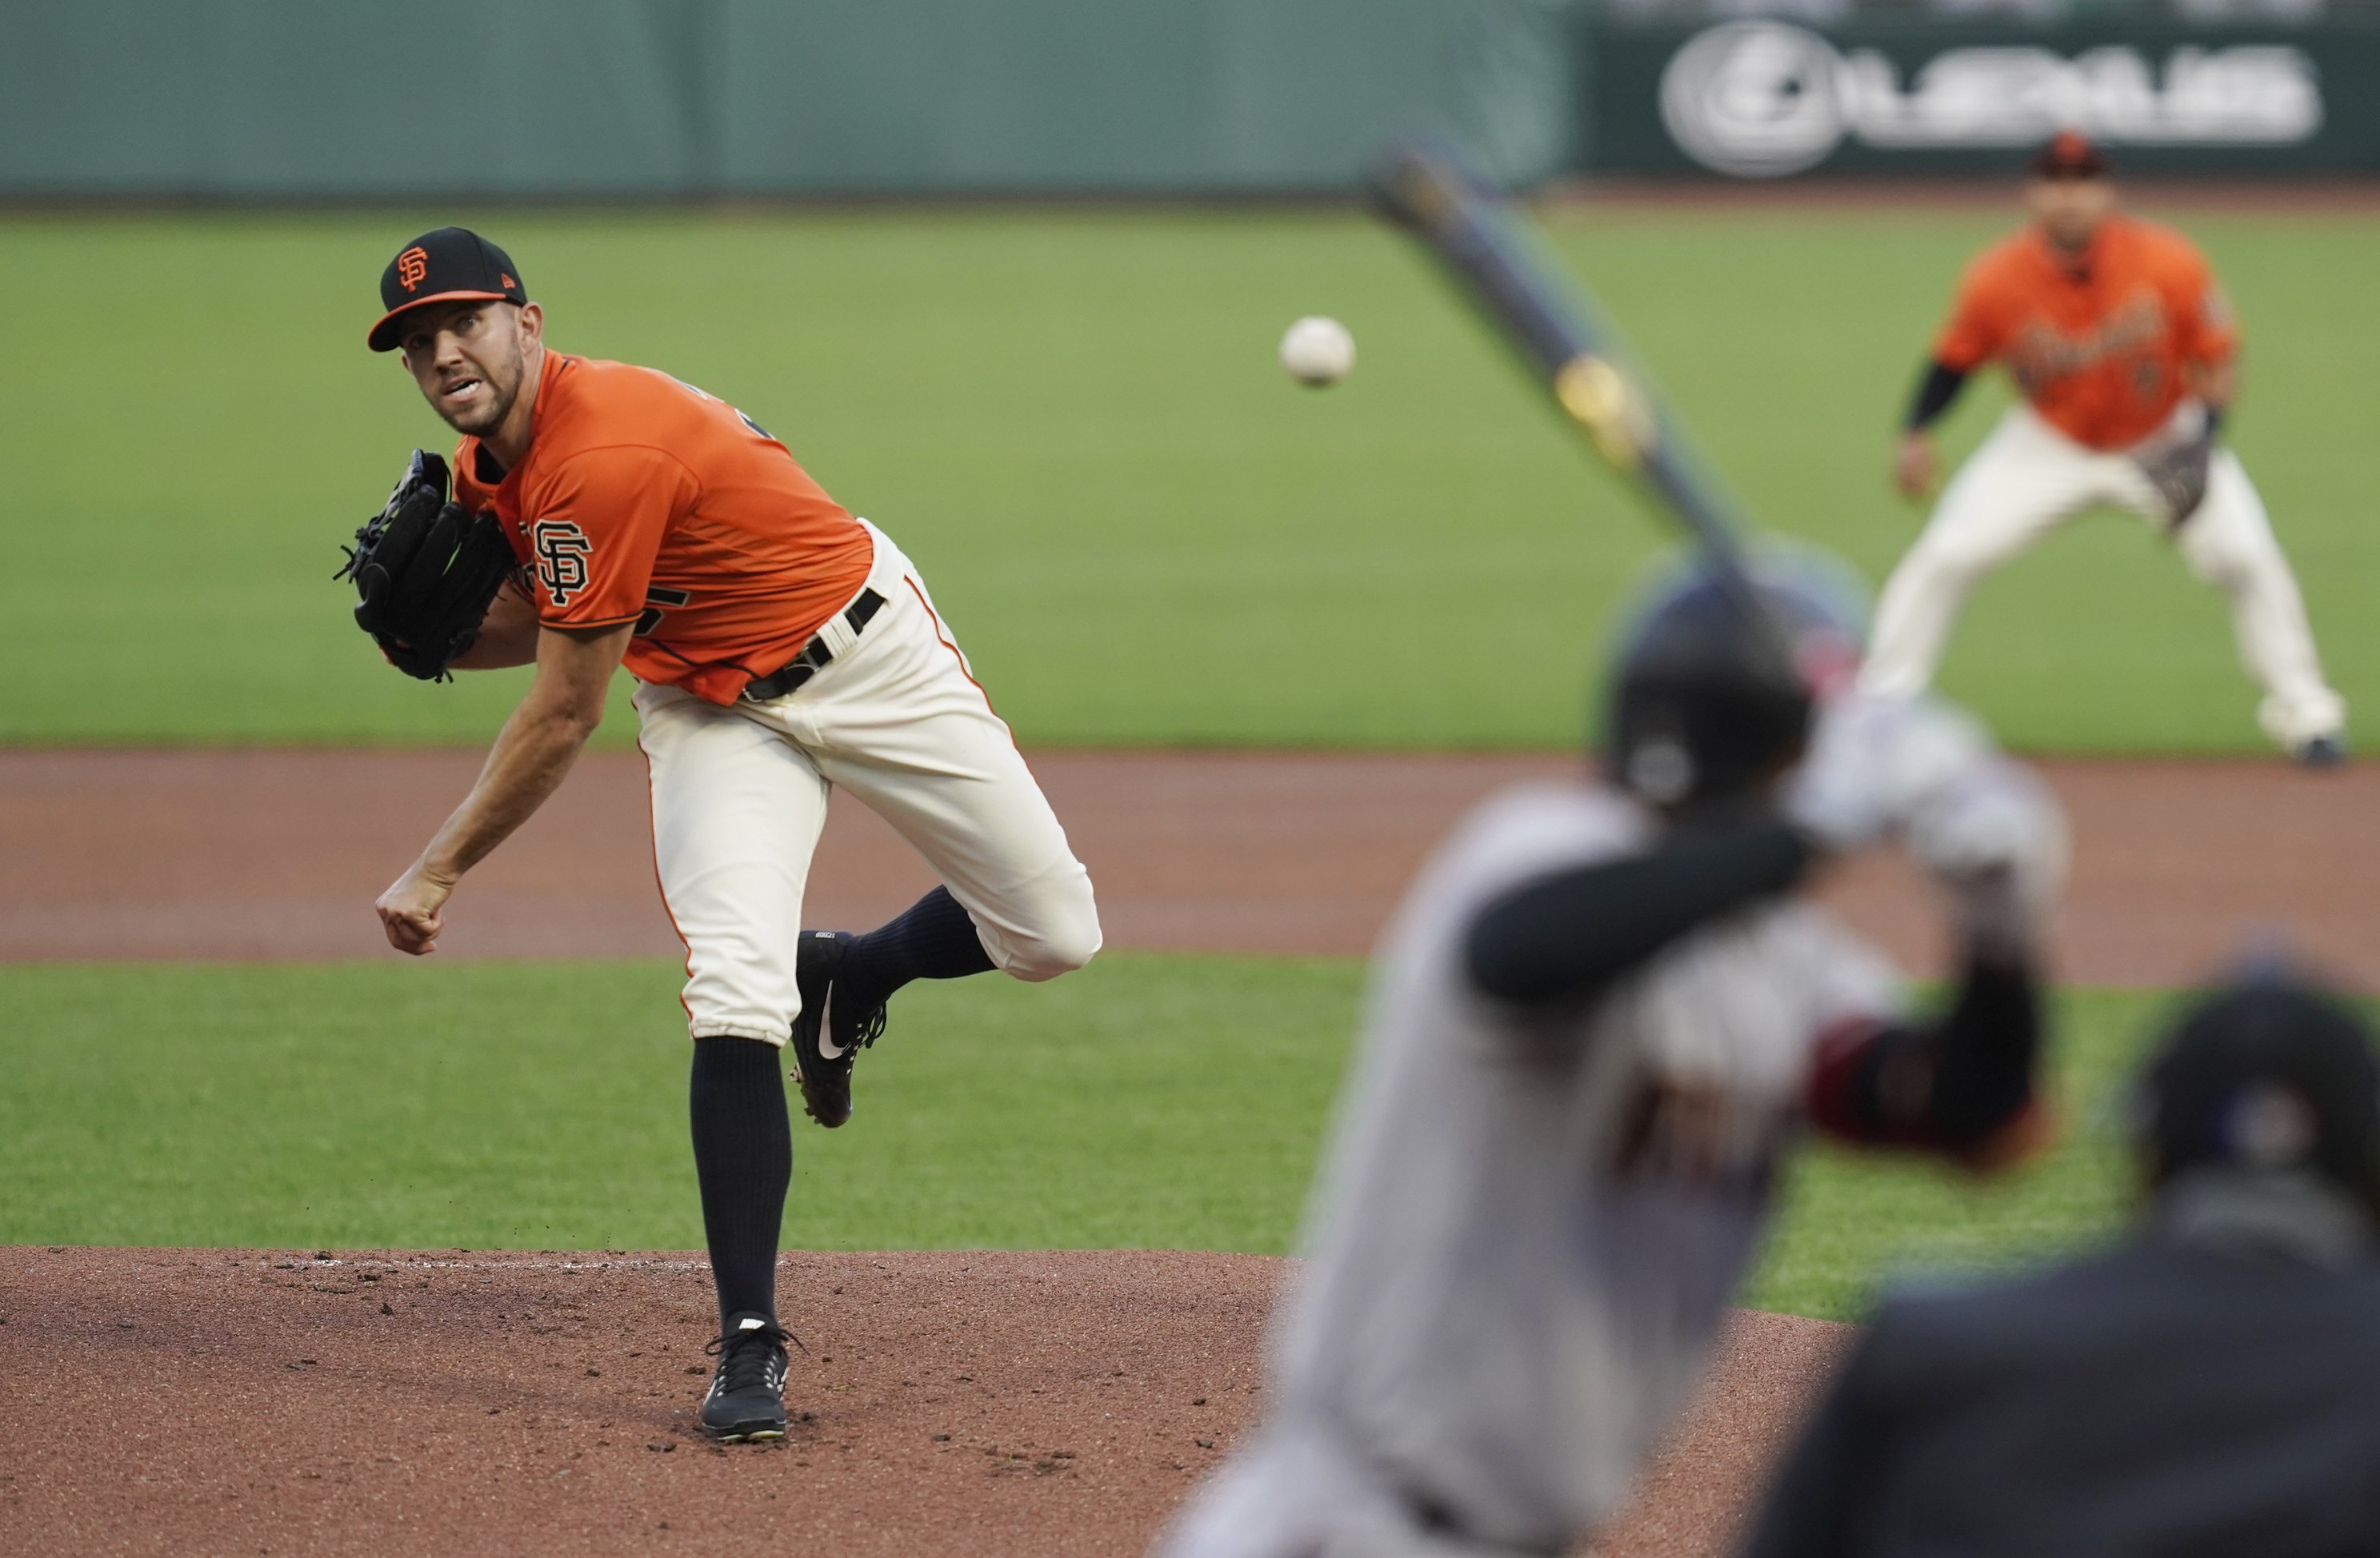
(425, 571)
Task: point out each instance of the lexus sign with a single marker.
(1760, 98)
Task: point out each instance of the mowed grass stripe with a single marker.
(1150, 1101)
(1143, 532)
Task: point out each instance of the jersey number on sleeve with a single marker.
(660, 601)
(706, 395)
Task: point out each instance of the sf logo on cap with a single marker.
(411, 266)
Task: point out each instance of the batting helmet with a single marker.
(1712, 691)
(2268, 1073)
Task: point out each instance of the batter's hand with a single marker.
(1874, 763)
(409, 911)
(1994, 836)
(2032, 1132)
(1912, 465)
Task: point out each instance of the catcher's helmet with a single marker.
(1712, 692)
(2268, 1073)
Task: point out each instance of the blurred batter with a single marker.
(2118, 338)
(1596, 1026)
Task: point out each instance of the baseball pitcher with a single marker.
(605, 514)
(2118, 340)
(1594, 1027)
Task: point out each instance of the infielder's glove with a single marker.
(425, 571)
(2176, 463)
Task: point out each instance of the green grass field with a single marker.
(543, 1106)
(1144, 534)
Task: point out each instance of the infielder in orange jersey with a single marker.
(780, 647)
(2118, 338)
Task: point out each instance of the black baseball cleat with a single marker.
(747, 1390)
(2322, 752)
(828, 1033)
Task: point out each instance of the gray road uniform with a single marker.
(1533, 1216)
(1520, 1259)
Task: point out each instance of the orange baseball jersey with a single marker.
(2100, 348)
(643, 499)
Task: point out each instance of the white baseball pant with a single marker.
(2028, 479)
(739, 797)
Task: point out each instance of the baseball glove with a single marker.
(425, 571)
(2176, 464)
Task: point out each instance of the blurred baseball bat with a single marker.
(1495, 258)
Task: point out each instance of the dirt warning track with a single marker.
(278, 855)
(222, 1401)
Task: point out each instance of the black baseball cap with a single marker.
(2071, 155)
(441, 267)
(2269, 1072)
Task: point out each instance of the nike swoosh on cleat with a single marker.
(828, 1049)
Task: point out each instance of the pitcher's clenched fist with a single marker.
(410, 911)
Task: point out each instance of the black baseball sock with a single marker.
(933, 938)
(744, 1159)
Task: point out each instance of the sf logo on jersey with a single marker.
(560, 547)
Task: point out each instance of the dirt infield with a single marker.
(223, 1401)
(277, 855)
(226, 1401)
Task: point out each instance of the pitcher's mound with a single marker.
(235, 1401)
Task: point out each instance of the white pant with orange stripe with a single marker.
(2026, 481)
(739, 796)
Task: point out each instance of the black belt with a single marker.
(814, 655)
(1440, 1519)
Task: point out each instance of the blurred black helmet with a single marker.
(1712, 692)
(2268, 1073)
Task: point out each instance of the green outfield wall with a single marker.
(642, 99)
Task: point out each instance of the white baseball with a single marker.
(1317, 351)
